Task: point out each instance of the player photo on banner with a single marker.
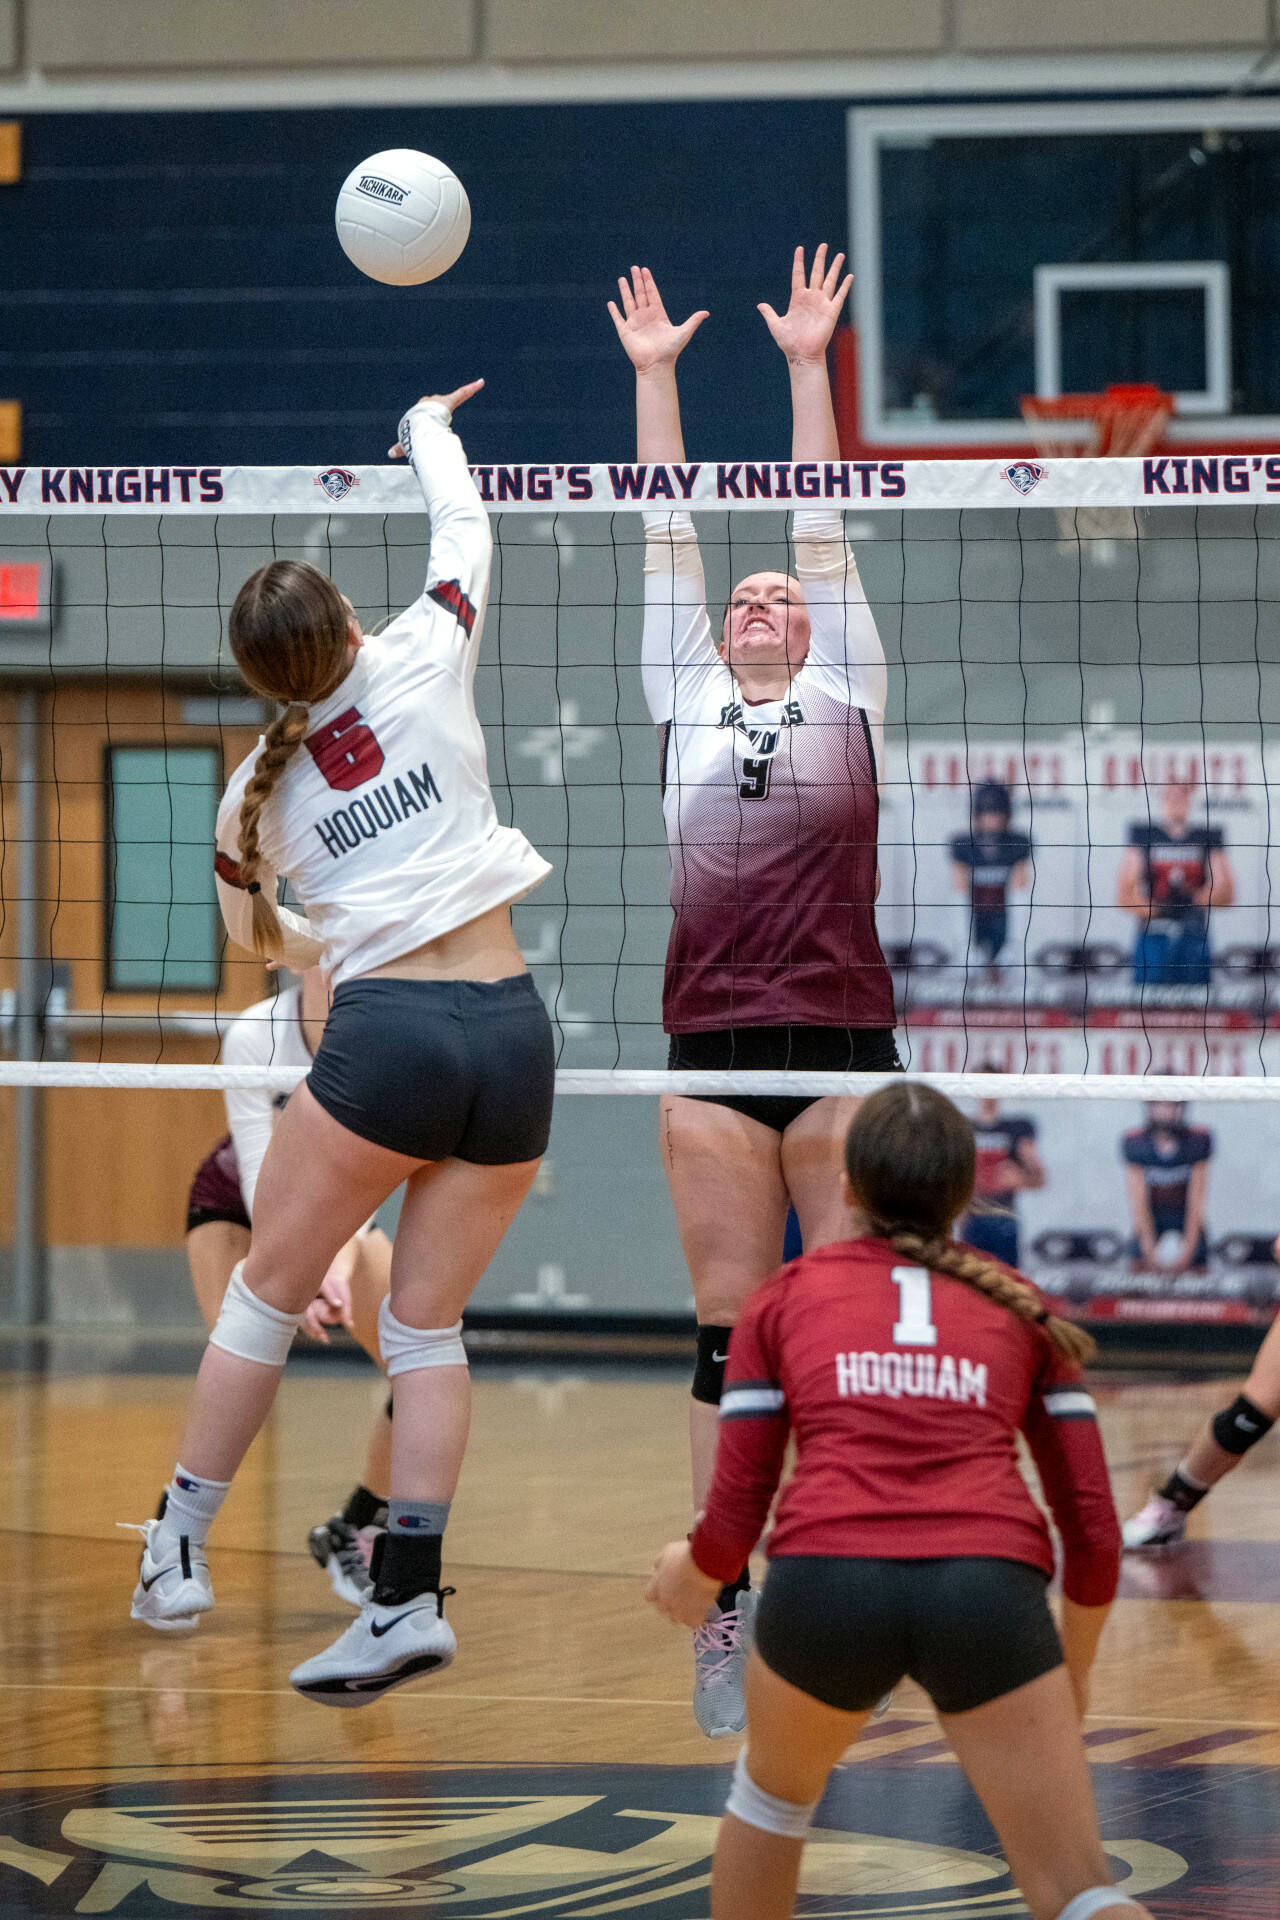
(1095, 883)
(1128, 1212)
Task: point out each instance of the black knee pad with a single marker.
(708, 1368)
(1241, 1425)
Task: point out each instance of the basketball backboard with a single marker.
(1000, 251)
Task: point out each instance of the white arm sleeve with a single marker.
(845, 653)
(677, 637)
(461, 537)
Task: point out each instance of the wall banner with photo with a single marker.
(1104, 908)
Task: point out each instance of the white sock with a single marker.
(191, 1506)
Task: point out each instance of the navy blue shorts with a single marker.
(440, 1069)
(994, 1233)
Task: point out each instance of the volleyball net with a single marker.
(1072, 714)
(1075, 828)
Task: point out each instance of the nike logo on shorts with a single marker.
(718, 1357)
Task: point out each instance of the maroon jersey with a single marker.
(771, 808)
(906, 1391)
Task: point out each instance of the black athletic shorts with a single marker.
(440, 1069)
(215, 1191)
(846, 1631)
(776, 1049)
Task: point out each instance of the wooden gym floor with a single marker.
(555, 1769)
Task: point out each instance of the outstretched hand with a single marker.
(806, 327)
(451, 400)
(649, 338)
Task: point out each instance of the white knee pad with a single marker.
(250, 1328)
(409, 1349)
(758, 1809)
(1095, 1900)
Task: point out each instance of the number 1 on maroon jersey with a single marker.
(346, 751)
(915, 1326)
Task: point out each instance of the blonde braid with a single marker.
(945, 1256)
(281, 741)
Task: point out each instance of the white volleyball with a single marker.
(402, 217)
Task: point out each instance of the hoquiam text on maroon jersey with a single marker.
(912, 1376)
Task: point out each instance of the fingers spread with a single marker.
(628, 301)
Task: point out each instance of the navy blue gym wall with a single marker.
(173, 291)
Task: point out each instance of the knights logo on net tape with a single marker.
(1024, 475)
(337, 481)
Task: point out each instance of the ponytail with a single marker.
(283, 738)
(985, 1277)
(910, 1157)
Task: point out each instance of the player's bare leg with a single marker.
(793, 1743)
(1162, 1521)
(1026, 1762)
(725, 1174)
(812, 1154)
(213, 1250)
(342, 1546)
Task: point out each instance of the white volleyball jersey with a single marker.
(383, 821)
(771, 807)
(267, 1034)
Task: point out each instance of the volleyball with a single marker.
(402, 217)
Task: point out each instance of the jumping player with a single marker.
(1170, 875)
(1219, 1446)
(285, 1031)
(985, 863)
(1167, 1175)
(371, 795)
(770, 749)
(1007, 1165)
(906, 1540)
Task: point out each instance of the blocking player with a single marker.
(1171, 875)
(370, 795)
(1167, 1177)
(985, 863)
(906, 1540)
(285, 1031)
(770, 739)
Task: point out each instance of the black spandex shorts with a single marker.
(846, 1631)
(775, 1049)
(215, 1191)
(440, 1069)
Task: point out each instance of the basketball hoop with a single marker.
(1124, 421)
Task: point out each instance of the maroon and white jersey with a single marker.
(772, 808)
(383, 821)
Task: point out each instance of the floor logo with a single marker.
(493, 1845)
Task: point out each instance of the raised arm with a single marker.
(461, 537)
(653, 344)
(677, 633)
(804, 333)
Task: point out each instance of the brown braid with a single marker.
(292, 634)
(962, 1263)
(910, 1157)
(282, 739)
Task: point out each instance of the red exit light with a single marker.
(24, 593)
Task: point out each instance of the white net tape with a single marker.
(598, 1080)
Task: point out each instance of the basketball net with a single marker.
(1123, 421)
